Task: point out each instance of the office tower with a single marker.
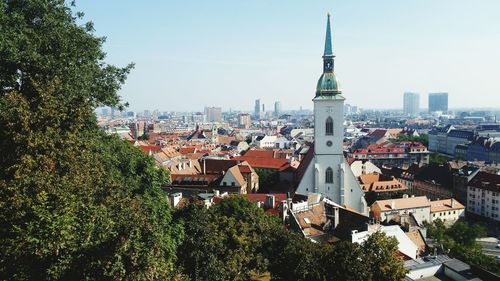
(213, 114)
(438, 102)
(257, 112)
(244, 121)
(347, 109)
(113, 112)
(411, 104)
(277, 108)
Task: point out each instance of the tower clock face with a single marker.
(329, 143)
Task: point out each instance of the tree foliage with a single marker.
(437, 159)
(423, 138)
(74, 203)
(235, 240)
(460, 241)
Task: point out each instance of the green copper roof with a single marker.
(328, 39)
(328, 84)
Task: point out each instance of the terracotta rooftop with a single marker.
(147, 149)
(265, 163)
(235, 171)
(187, 150)
(380, 183)
(226, 140)
(245, 169)
(312, 220)
(259, 153)
(217, 166)
(403, 203)
(445, 205)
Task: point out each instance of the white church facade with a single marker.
(328, 173)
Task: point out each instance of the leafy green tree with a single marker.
(460, 241)
(437, 159)
(224, 242)
(345, 261)
(292, 257)
(74, 203)
(423, 138)
(436, 230)
(380, 256)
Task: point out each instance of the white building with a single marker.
(483, 195)
(282, 143)
(363, 167)
(265, 141)
(447, 210)
(327, 172)
(405, 245)
(419, 207)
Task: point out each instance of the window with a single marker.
(232, 183)
(329, 126)
(329, 175)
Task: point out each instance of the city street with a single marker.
(490, 246)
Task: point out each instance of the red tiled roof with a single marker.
(150, 148)
(260, 153)
(378, 133)
(265, 163)
(187, 150)
(217, 166)
(244, 169)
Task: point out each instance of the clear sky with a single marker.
(191, 54)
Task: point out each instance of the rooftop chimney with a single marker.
(393, 204)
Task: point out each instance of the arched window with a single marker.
(329, 175)
(329, 126)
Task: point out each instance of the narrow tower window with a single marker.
(329, 126)
(329, 175)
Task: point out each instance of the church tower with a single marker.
(328, 173)
(328, 126)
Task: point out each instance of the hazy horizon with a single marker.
(189, 55)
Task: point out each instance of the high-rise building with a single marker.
(411, 104)
(213, 114)
(113, 112)
(327, 172)
(277, 108)
(438, 102)
(244, 121)
(257, 112)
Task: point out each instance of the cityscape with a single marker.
(96, 188)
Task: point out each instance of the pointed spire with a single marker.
(328, 40)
